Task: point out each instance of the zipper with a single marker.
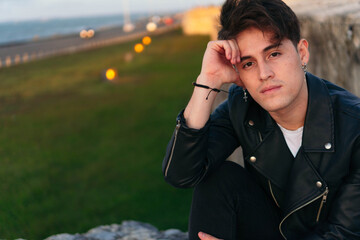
(323, 201)
(173, 146)
(272, 194)
(304, 205)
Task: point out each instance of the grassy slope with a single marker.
(76, 152)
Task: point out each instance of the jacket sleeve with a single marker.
(343, 221)
(192, 153)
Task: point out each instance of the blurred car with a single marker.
(155, 19)
(168, 20)
(151, 26)
(128, 27)
(87, 33)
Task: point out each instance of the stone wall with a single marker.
(332, 28)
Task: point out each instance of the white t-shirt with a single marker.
(293, 138)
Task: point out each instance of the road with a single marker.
(29, 51)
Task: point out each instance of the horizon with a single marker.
(43, 10)
(77, 17)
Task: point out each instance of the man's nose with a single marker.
(265, 71)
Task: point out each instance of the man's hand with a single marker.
(217, 66)
(205, 236)
(217, 69)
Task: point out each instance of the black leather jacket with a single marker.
(318, 191)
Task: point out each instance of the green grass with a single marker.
(77, 152)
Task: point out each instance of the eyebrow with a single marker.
(275, 45)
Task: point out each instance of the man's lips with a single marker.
(270, 89)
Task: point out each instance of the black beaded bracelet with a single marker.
(207, 87)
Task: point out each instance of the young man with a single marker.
(300, 136)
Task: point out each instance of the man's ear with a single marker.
(303, 50)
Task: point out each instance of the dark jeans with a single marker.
(229, 204)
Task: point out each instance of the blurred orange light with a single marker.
(146, 40)
(110, 74)
(139, 48)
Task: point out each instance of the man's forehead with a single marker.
(254, 40)
(258, 35)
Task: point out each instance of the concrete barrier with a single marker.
(333, 31)
(332, 28)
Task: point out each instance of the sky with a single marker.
(21, 10)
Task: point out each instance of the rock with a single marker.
(63, 236)
(128, 230)
(332, 28)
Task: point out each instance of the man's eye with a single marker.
(275, 54)
(248, 64)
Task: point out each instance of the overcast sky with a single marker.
(19, 10)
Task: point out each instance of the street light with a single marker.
(146, 40)
(138, 48)
(110, 75)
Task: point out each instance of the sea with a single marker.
(17, 32)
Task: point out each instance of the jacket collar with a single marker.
(318, 133)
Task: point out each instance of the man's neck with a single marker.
(293, 117)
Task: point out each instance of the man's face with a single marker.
(272, 73)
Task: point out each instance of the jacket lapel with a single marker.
(319, 122)
(273, 158)
(305, 183)
(297, 177)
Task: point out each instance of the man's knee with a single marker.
(228, 176)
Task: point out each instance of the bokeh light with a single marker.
(168, 20)
(139, 48)
(146, 40)
(128, 27)
(110, 74)
(128, 57)
(151, 26)
(87, 33)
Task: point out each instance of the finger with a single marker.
(215, 45)
(227, 47)
(205, 236)
(235, 51)
(238, 51)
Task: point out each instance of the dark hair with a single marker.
(266, 15)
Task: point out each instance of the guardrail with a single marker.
(25, 57)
